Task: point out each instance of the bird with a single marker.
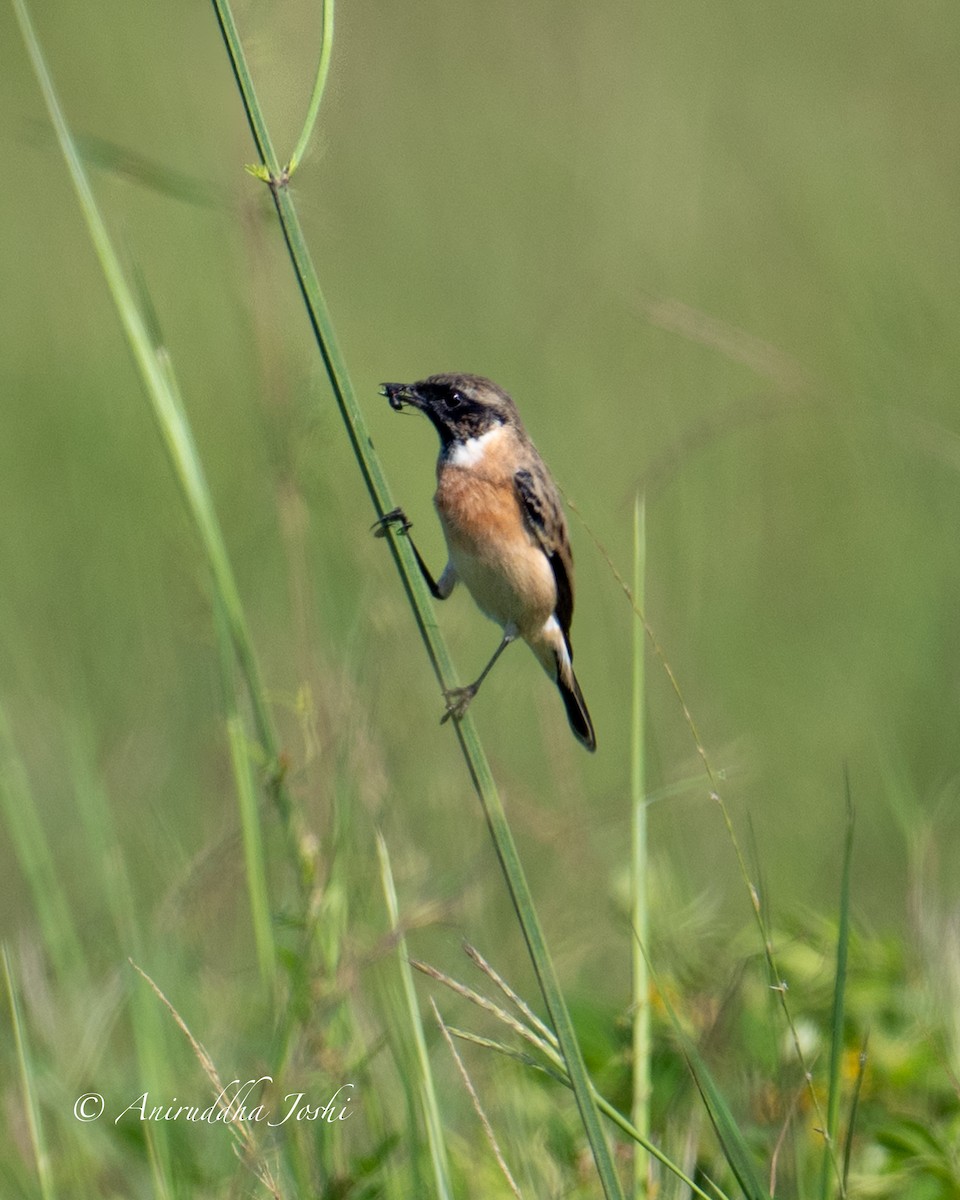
(504, 526)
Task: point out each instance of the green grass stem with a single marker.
(640, 1110)
(415, 587)
(854, 1106)
(428, 1094)
(832, 1171)
(757, 903)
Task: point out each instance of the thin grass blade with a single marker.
(32, 848)
(253, 855)
(831, 1171)
(854, 1105)
(732, 1142)
(38, 1144)
(155, 367)
(638, 874)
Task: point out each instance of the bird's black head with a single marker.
(460, 406)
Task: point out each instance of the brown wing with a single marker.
(542, 509)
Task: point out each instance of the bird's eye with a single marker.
(453, 400)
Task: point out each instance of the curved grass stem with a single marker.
(320, 83)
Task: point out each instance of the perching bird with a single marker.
(504, 526)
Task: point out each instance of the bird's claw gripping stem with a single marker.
(397, 517)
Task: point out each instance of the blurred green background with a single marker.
(712, 252)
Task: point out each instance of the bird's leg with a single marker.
(458, 699)
(398, 517)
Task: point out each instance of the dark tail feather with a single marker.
(576, 708)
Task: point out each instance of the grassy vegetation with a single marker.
(715, 263)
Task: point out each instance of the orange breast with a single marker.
(477, 509)
(494, 553)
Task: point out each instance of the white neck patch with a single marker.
(471, 452)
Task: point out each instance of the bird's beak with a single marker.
(400, 394)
